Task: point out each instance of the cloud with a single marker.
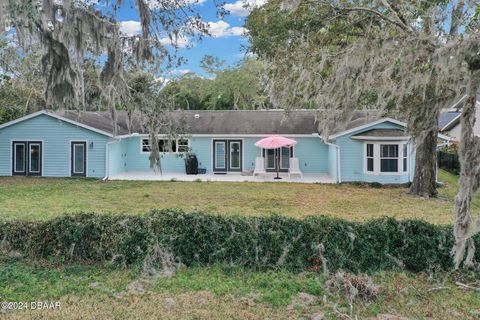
(130, 28)
(179, 42)
(243, 8)
(222, 29)
(133, 28)
(156, 4)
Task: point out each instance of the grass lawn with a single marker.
(222, 292)
(43, 198)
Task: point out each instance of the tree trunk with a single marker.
(425, 124)
(469, 155)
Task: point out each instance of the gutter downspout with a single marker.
(107, 167)
(338, 178)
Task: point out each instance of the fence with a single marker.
(449, 162)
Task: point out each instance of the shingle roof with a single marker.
(383, 133)
(446, 118)
(223, 122)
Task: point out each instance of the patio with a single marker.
(230, 177)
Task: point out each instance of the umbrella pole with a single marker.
(278, 166)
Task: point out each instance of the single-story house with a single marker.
(89, 144)
(449, 121)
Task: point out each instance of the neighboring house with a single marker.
(64, 144)
(449, 121)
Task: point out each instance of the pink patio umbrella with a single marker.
(275, 142)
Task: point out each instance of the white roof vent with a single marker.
(196, 116)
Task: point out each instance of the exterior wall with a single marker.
(136, 160)
(455, 132)
(56, 136)
(117, 155)
(332, 162)
(313, 155)
(352, 160)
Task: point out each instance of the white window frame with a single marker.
(369, 157)
(224, 143)
(230, 154)
(25, 147)
(377, 158)
(39, 145)
(166, 152)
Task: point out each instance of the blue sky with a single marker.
(227, 41)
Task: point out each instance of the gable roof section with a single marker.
(366, 126)
(223, 122)
(56, 116)
(448, 120)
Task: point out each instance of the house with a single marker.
(89, 144)
(449, 121)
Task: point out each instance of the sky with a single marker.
(227, 40)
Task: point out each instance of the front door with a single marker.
(79, 159)
(27, 158)
(283, 156)
(227, 155)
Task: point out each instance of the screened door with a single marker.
(79, 159)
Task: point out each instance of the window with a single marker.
(370, 160)
(405, 156)
(389, 158)
(182, 145)
(146, 145)
(165, 145)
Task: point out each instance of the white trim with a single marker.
(84, 152)
(451, 121)
(380, 138)
(230, 155)
(377, 158)
(224, 154)
(212, 144)
(13, 144)
(34, 143)
(107, 155)
(162, 137)
(403, 124)
(27, 141)
(226, 136)
(53, 115)
(86, 156)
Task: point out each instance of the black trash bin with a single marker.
(191, 164)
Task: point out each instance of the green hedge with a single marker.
(254, 242)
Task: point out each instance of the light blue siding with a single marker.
(332, 162)
(136, 160)
(117, 157)
(56, 136)
(312, 155)
(352, 159)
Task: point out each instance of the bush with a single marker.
(253, 242)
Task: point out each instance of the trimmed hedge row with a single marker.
(254, 242)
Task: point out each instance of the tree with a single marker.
(418, 56)
(241, 87)
(391, 56)
(68, 31)
(20, 83)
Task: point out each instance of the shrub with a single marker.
(253, 242)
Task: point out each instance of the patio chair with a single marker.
(259, 166)
(294, 168)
